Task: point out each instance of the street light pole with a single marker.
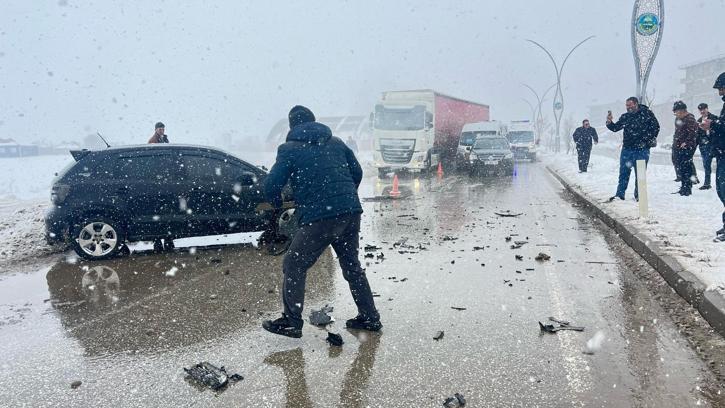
(540, 100)
(558, 104)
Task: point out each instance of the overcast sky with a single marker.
(71, 67)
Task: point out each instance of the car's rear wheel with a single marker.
(98, 238)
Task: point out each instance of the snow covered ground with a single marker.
(683, 226)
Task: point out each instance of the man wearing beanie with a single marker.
(684, 145)
(324, 175)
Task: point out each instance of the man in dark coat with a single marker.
(640, 134)
(703, 140)
(717, 140)
(324, 175)
(583, 138)
(684, 144)
(159, 135)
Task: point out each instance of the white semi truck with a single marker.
(415, 130)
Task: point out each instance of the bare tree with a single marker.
(568, 128)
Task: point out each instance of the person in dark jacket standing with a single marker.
(583, 138)
(684, 144)
(159, 135)
(716, 127)
(324, 175)
(703, 140)
(640, 134)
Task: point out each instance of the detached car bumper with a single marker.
(56, 225)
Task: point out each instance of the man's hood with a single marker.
(310, 132)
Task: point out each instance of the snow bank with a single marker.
(684, 227)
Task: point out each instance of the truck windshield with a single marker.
(467, 138)
(399, 118)
(491, 144)
(521, 136)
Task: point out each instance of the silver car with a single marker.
(491, 154)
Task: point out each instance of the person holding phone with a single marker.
(640, 134)
(716, 129)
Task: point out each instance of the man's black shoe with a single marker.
(705, 187)
(719, 238)
(677, 180)
(720, 231)
(612, 198)
(282, 327)
(697, 181)
(363, 323)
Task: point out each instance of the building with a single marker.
(698, 80)
(11, 148)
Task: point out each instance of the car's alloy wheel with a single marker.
(98, 239)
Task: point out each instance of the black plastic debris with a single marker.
(209, 375)
(519, 257)
(550, 328)
(439, 335)
(542, 257)
(449, 402)
(507, 213)
(334, 339)
(461, 399)
(458, 308)
(76, 384)
(372, 248)
(321, 317)
(456, 400)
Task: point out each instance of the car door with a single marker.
(224, 193)
(149, 185)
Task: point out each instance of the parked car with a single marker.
(142, 193)
(491, 154)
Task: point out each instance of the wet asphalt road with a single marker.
(125, 328)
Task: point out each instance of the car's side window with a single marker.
(205, 169)
(158, 168)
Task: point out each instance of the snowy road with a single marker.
(126, 327)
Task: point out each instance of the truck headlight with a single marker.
(420, 157)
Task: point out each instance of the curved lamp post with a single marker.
(558, 104)
(540, 101)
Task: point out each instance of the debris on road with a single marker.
(519, 257)
(507, 213)
(561, 322)
(458, 308)
(76, 384)
(334, 339)
(542, 257)
(550, 328)
(321, 317)
(439, 335)
(595, 343)
(209, 375)
(371, 248)
(456, 400)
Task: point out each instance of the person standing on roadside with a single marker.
(583, 137)
(684, 144)
(716, 127)
(703, 140)
(640, 134)
(324, 175)
(159, 135)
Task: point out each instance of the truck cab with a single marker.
(469, 134)
(522, 138)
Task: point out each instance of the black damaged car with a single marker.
(158, 191)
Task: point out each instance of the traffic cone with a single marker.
(395, 192)
(440, 169)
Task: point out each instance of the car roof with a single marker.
(157, 147)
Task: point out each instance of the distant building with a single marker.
(698, 80)
(11, 148)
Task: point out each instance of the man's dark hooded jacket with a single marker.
(717, 134)
(323, 172)
(583, 137)
(640, 128)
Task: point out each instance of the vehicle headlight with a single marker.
(509, 156)
(420, 157)
(472, 156)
